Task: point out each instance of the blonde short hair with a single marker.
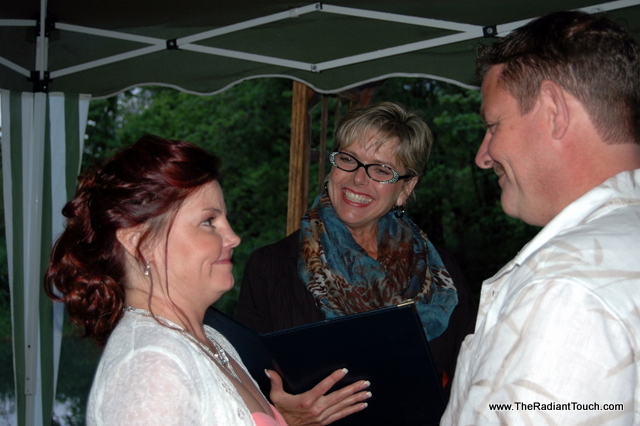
(391, 121)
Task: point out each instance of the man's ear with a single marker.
(130, 238)
(557, 108)
(407, 189)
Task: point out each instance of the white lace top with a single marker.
(152, 375)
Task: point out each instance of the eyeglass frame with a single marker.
(396, 176)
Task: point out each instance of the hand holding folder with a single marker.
(386, 347)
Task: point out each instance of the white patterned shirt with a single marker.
(558, 330)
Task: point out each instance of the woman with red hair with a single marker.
(146, 250)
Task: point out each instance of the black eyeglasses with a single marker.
(376, 172)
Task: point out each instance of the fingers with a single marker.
(344, 393)
(328, 382)
(272, 375)
(314, 407)
(276, 382)
(345, 401)
(350, 409)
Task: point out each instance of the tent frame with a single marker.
(34, 339)
(463, 32)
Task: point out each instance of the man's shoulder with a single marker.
(600, 256)
(608, 237)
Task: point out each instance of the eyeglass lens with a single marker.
(376, 172)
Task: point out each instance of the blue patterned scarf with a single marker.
(344, 279)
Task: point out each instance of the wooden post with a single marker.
(299, 155)
(322, 149)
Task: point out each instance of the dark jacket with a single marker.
(273, 297)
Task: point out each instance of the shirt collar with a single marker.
(621, 190)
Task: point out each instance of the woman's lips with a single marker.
(356, 198)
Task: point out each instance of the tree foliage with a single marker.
(248, 126)
(456, 203)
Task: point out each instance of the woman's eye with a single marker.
(208, 222)
(382, 171)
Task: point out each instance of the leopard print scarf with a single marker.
(344, 279)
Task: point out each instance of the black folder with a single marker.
(386, 346)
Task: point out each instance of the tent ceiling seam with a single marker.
(613, 5)
(108, 33)
(17, 68)
(402, 19)
(252, 23)
(17, 22)
(465, 32)
(397, 50)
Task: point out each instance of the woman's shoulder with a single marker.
(154, 365)
(135, 335)
(287, 247)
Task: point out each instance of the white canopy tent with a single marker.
(51, 52)
(42, 137)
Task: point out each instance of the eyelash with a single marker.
(209, 221)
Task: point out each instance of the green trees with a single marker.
(456, 203)
(248, 126)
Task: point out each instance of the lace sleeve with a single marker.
(148, 388)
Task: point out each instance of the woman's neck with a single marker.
(367, 238)
(186, 317)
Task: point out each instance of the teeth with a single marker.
(357, 198)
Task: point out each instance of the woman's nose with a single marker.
(232, 239)
(360, 176)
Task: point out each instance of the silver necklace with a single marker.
(221, 357)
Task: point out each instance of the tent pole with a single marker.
(299, 155)
(322, 150)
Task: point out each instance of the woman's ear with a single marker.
(130, 238)
(407, 189)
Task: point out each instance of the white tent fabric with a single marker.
(42, 142)
(105, 47)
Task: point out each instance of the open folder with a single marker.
(386, 346)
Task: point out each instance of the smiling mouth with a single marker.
(498, 169)
(356, 198)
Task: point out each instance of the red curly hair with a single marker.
(144, 184)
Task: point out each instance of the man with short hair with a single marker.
(558, 329)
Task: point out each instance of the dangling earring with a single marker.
(398, 211)
(147, 269)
